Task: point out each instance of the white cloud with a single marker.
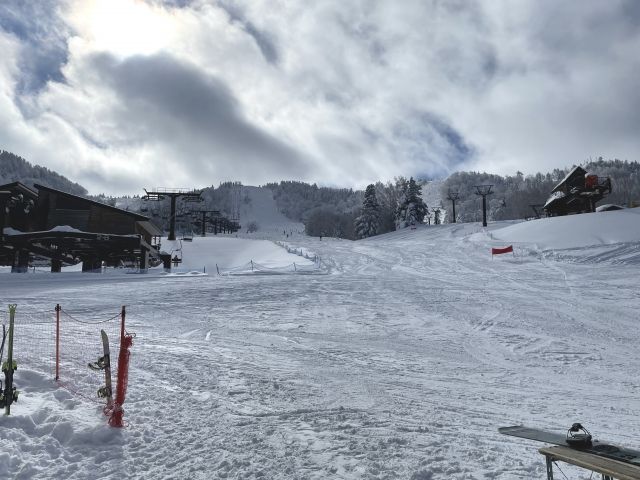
(341, 93)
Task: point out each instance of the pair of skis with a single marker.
(579, 441)
(9, 394)
(104, 363)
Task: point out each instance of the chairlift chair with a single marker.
(176, 255)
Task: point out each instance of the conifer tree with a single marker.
(368, 223)
(412, 208)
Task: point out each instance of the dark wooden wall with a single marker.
(82, 214)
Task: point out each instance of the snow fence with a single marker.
(255, 268)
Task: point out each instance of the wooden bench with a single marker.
(610, 469)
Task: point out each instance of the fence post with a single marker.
(252, 265)
(294, 267)
(58, 308)
(217, 269)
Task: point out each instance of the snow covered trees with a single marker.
(411, 209)
(368, 223)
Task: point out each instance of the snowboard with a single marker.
(104, 363)
(596, 447)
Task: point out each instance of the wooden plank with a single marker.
(598, 464)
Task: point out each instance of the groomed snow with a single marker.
(204, 253)
(402, 362)
(589, 229)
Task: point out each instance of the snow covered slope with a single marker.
(262, 209)
(433, 197)
(589, 229)
(204, 253)
(400, 363)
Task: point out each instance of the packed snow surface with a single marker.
(204, 254)
(399, 359)
(589, 229)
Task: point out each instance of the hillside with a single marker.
(16, 169)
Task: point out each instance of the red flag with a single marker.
(498, 251)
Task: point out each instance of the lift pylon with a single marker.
(187, 194)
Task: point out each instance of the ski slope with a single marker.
(260, 208)
(204, 254)
(399, 360)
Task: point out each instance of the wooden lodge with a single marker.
(578, 192)
(68, 229)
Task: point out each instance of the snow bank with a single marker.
(575, 231)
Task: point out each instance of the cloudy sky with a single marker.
(124, 94)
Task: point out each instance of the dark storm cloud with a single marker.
(170, 101)
(43, 39)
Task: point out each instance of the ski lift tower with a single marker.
(157, 194)
(484, 190)
(453, 196)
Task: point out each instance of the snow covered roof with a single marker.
(553, 197)
(576, 172)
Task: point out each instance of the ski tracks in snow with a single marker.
(400, 364)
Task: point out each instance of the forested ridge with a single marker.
(334, 212)
(344, 212)
(16, 169)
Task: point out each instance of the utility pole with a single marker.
(157, 194)
(484, 190)
(453, 196)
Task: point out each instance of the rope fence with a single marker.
(255, 268)
(61, 345)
